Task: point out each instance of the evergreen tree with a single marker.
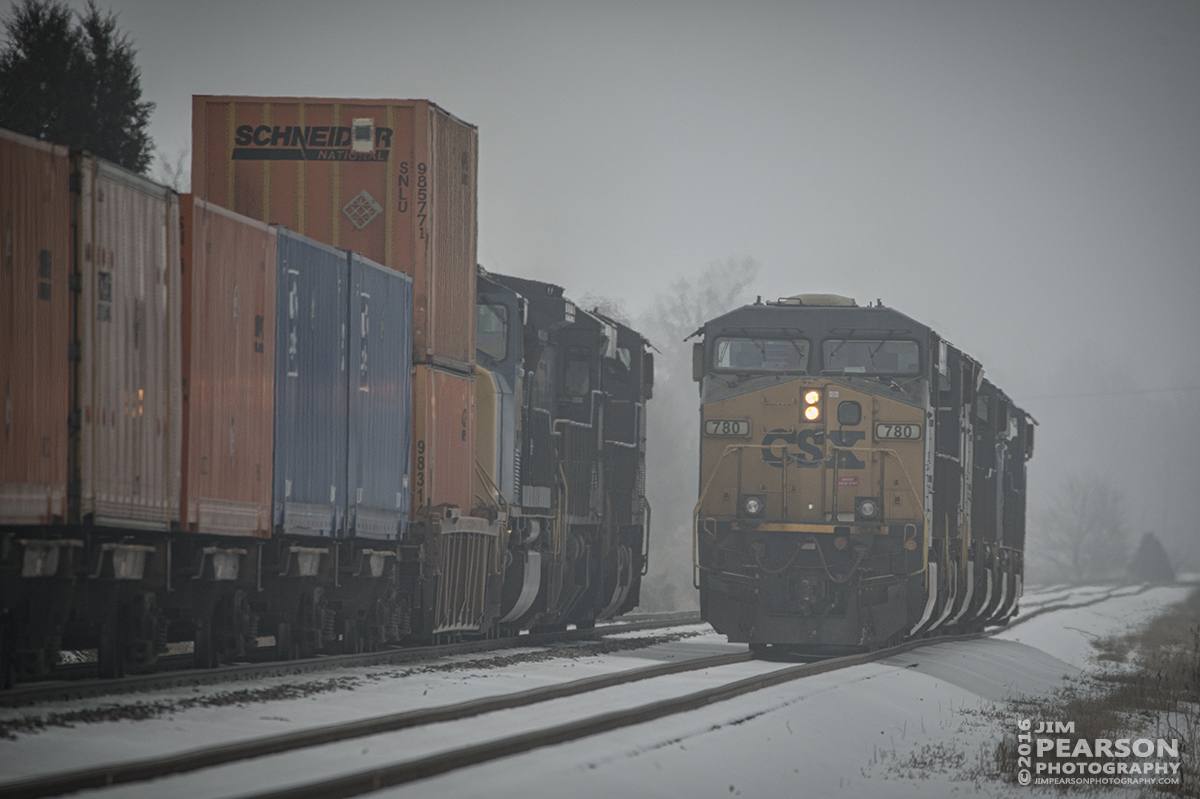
(74, 82)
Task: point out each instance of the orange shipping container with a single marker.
(443, 439)
(129, 370)
(35, 228)
(392, 179)
(228, 299)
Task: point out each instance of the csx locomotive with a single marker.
(861, 481)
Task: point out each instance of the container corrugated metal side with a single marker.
(443, 469)
(404, 194)
(311, 373)
(129, 329)
(228, 294)
(35, 261)
(380, 400)
(454, 205)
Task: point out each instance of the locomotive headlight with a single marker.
(812, 413)
(812, 397)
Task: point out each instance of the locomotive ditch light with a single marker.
(866, 508)
(753, 505)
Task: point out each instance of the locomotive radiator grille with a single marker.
(465, 557)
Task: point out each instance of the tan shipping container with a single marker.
(443, 466)
(228, 330)
(129, 329)
(35, 234)
(392, 179)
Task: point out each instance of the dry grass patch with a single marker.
(1155, 695)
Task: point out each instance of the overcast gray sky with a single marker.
(1024, 175)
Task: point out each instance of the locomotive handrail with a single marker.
(700, 501)
(646, 538)
(908, 481)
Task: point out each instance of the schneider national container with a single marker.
(392, 179)
(129, 330)
(228, 266)
(310, 387)
(35, 234)
(380, 400)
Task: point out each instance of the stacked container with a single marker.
(228, 295)
(35, 260)
(128, 326)
(380, 400)
(392, 179)
(311, 374)
(342, 392)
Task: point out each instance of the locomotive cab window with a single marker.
(872, 357)
(577, 377)
(761, 355)
(491, 330)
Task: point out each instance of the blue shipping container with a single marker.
(380, 399)
(311, 374)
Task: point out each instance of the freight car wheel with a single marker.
(285, 647)
(204, 653)
(8, 661)
(112, 654)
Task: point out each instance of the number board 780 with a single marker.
(726, 427)
(908, 432)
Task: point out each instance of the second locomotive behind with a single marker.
(860, 480)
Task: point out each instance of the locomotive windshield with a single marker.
(872, 357)
(491, 330)
(761, 355)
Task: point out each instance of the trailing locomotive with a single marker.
(861, 482)
(565, 392)
(233, 433)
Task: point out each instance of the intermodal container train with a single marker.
(249, 417)
(861, 481)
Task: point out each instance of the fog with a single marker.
(1023, 176)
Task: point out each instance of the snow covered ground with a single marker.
(917, 724)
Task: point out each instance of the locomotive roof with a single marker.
(793, 317)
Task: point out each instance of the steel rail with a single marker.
(400, 773)
(394, 774)
(390, 775)
(56, 690)
(150, 768)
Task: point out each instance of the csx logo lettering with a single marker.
(777, 447)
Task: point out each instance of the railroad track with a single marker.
(195, 763)
(80, 685)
